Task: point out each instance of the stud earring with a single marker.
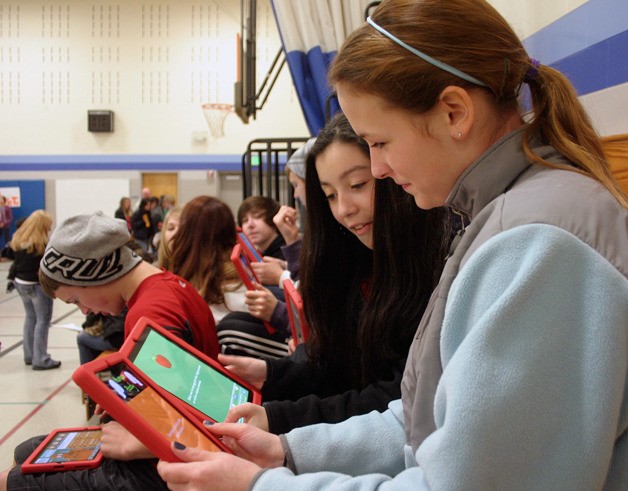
(459, 135)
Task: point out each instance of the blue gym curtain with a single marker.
(311, 32)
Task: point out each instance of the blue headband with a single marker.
(429, 59)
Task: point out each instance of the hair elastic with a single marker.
(423, 56)
(533, 71)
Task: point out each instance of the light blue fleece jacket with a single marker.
(533, 393)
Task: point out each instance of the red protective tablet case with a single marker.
(243, 266)
(296, 315)
(174, 420)
(29, 466)
(171, 421)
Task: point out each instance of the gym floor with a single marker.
(36, 402)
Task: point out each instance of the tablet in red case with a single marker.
(296, 315)
(161, 389)
(207, 388)
(66, 449)
(243, 266)
(142, 407)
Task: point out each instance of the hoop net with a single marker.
(215, 114)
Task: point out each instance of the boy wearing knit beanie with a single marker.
(87, 264)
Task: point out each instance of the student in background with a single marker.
(141, 224)
(168, 202)
(28, 245)
(517, 377)
(244, 332)
(157, 222)
(171, 225)
(200, 252)
(289, 222)
(144, 194)
(295, 168)
(6, 219)
(124, 211)
(255, 217)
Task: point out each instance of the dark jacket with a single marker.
(274, 249)
(284, 416)
(119, 214)
(25, 266)
(141, 224)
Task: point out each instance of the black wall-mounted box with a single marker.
(100, 121)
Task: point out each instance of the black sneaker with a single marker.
(53, 364)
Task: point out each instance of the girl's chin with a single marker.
(366, 239)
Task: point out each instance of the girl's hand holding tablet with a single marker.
(225, 472)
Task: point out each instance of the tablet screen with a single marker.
(247, 268)
(70, 446)
(248, 244)
(153, 408)
(187, 377)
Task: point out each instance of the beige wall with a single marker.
(152, 63)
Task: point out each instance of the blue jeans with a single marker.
(143, 243)
(91, 346)
(38, 307)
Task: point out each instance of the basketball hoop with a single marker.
(215, 114)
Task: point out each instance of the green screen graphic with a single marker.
(187, 377)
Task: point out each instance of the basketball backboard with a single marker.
(248, 97)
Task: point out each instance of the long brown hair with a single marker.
(128, 211)
(473, 37)
(32, 236)
(201, 248)
(164, 251)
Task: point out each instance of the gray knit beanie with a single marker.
(296, 162)
(89, 250)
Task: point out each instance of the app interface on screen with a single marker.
(186, 377)
(71, 446)
(153, 408)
